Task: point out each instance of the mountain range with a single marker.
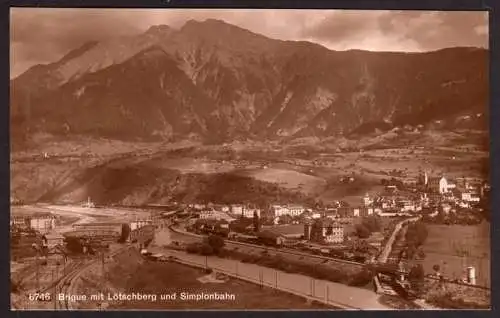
(214, 81)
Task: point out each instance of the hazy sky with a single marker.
(43, 35)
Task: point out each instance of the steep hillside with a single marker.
(137, 182)
(216, 81)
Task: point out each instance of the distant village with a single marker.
(435, 198)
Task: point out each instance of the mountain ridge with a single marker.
(223, 82)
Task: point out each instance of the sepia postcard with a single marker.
(225, 159)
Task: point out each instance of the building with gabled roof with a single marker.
(324, 230)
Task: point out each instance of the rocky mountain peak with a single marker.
(222, 81)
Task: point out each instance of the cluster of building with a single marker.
(43, 225)
(40, 222)
(429, 192)
(327, 225)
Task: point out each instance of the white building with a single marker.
(367, 200)
(207, 214)
(439, 185)
(466, 196)
(464, 205)
(443, 185)
(296, 210)
(336, 234)
(241, 210)
(469, 197)
(278, 210)
(249, 212)
(43, 223)
(237, 209)
(355, 212)
(292, 210)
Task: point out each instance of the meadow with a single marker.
(456, 247)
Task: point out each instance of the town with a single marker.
(362, 235)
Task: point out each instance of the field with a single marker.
(289, 179)
(456, 247)
(138, 172)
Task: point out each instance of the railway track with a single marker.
(276, 250)
(66, 284)
(296, 253)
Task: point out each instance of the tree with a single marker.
(256, 222)
(441, 217)
(421, 254)
(417, 278)
(285, 219)
(416, 234)
(411, 250)
(125, 233)
(362, 231)
(216, 243)
(206, 250)
(372, 223)
(193, 248)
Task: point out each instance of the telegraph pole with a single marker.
(276, 280)
(102, 269)
(261, 278)
(37, 272)
(64, 265)
(102, 264)
(55, 290)
(327, 293)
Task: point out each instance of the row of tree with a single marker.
(416, 234)
(368, 225)
(415, 237)
(211, 245)
(461, 218)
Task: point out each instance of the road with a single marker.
(388, 246)
(333, 293)
(338, 294)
